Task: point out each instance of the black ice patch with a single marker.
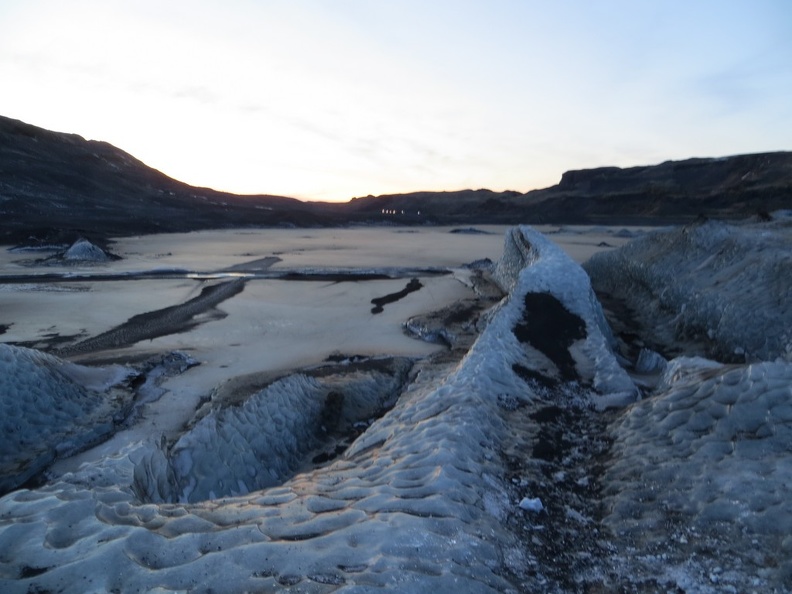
(551, 329)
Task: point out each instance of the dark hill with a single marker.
(676, 191)
(672, 192)
(59, 184)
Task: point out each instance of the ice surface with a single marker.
(720, 290)
(696, 484)
(417, 503)
(242, 448)
(650, 362)
(532, 504)
(707, 459)
(51, 408)
(537, 271)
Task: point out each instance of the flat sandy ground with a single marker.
(272, 325)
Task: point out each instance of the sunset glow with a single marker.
(331, 100)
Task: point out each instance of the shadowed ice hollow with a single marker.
(236, 449)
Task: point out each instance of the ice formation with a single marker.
(83, 250)
(709, 457)
(485, 475)
(51, 408)
(724, 288)
(417, 503)
(234, 450)
(557, 301)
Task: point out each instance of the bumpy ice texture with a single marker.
(709, 454)
(238, 449)
(722, 286)
(48, 409)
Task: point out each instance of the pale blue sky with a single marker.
(339, 98)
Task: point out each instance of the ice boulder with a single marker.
(83, 250)
(50, 408)
(711, 288)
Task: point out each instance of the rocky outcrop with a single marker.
(669, 193)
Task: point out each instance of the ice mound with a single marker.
(83, 250)
(724, 287)
(418, 503)
(560, 328)
(707, 459)
(237, 449)
(50, 408)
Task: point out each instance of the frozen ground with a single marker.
(507, 455)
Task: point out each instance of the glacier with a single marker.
(50, 408)
(715, 289)
(532, 463)
(709, 452)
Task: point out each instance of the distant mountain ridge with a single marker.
(58, 184)
(671, 192)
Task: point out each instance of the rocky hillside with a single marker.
(54, 186)
(672, 192)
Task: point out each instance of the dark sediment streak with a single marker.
(254, 266)
(378, 302)
(161, 322)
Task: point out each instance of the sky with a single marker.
(332, 99)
